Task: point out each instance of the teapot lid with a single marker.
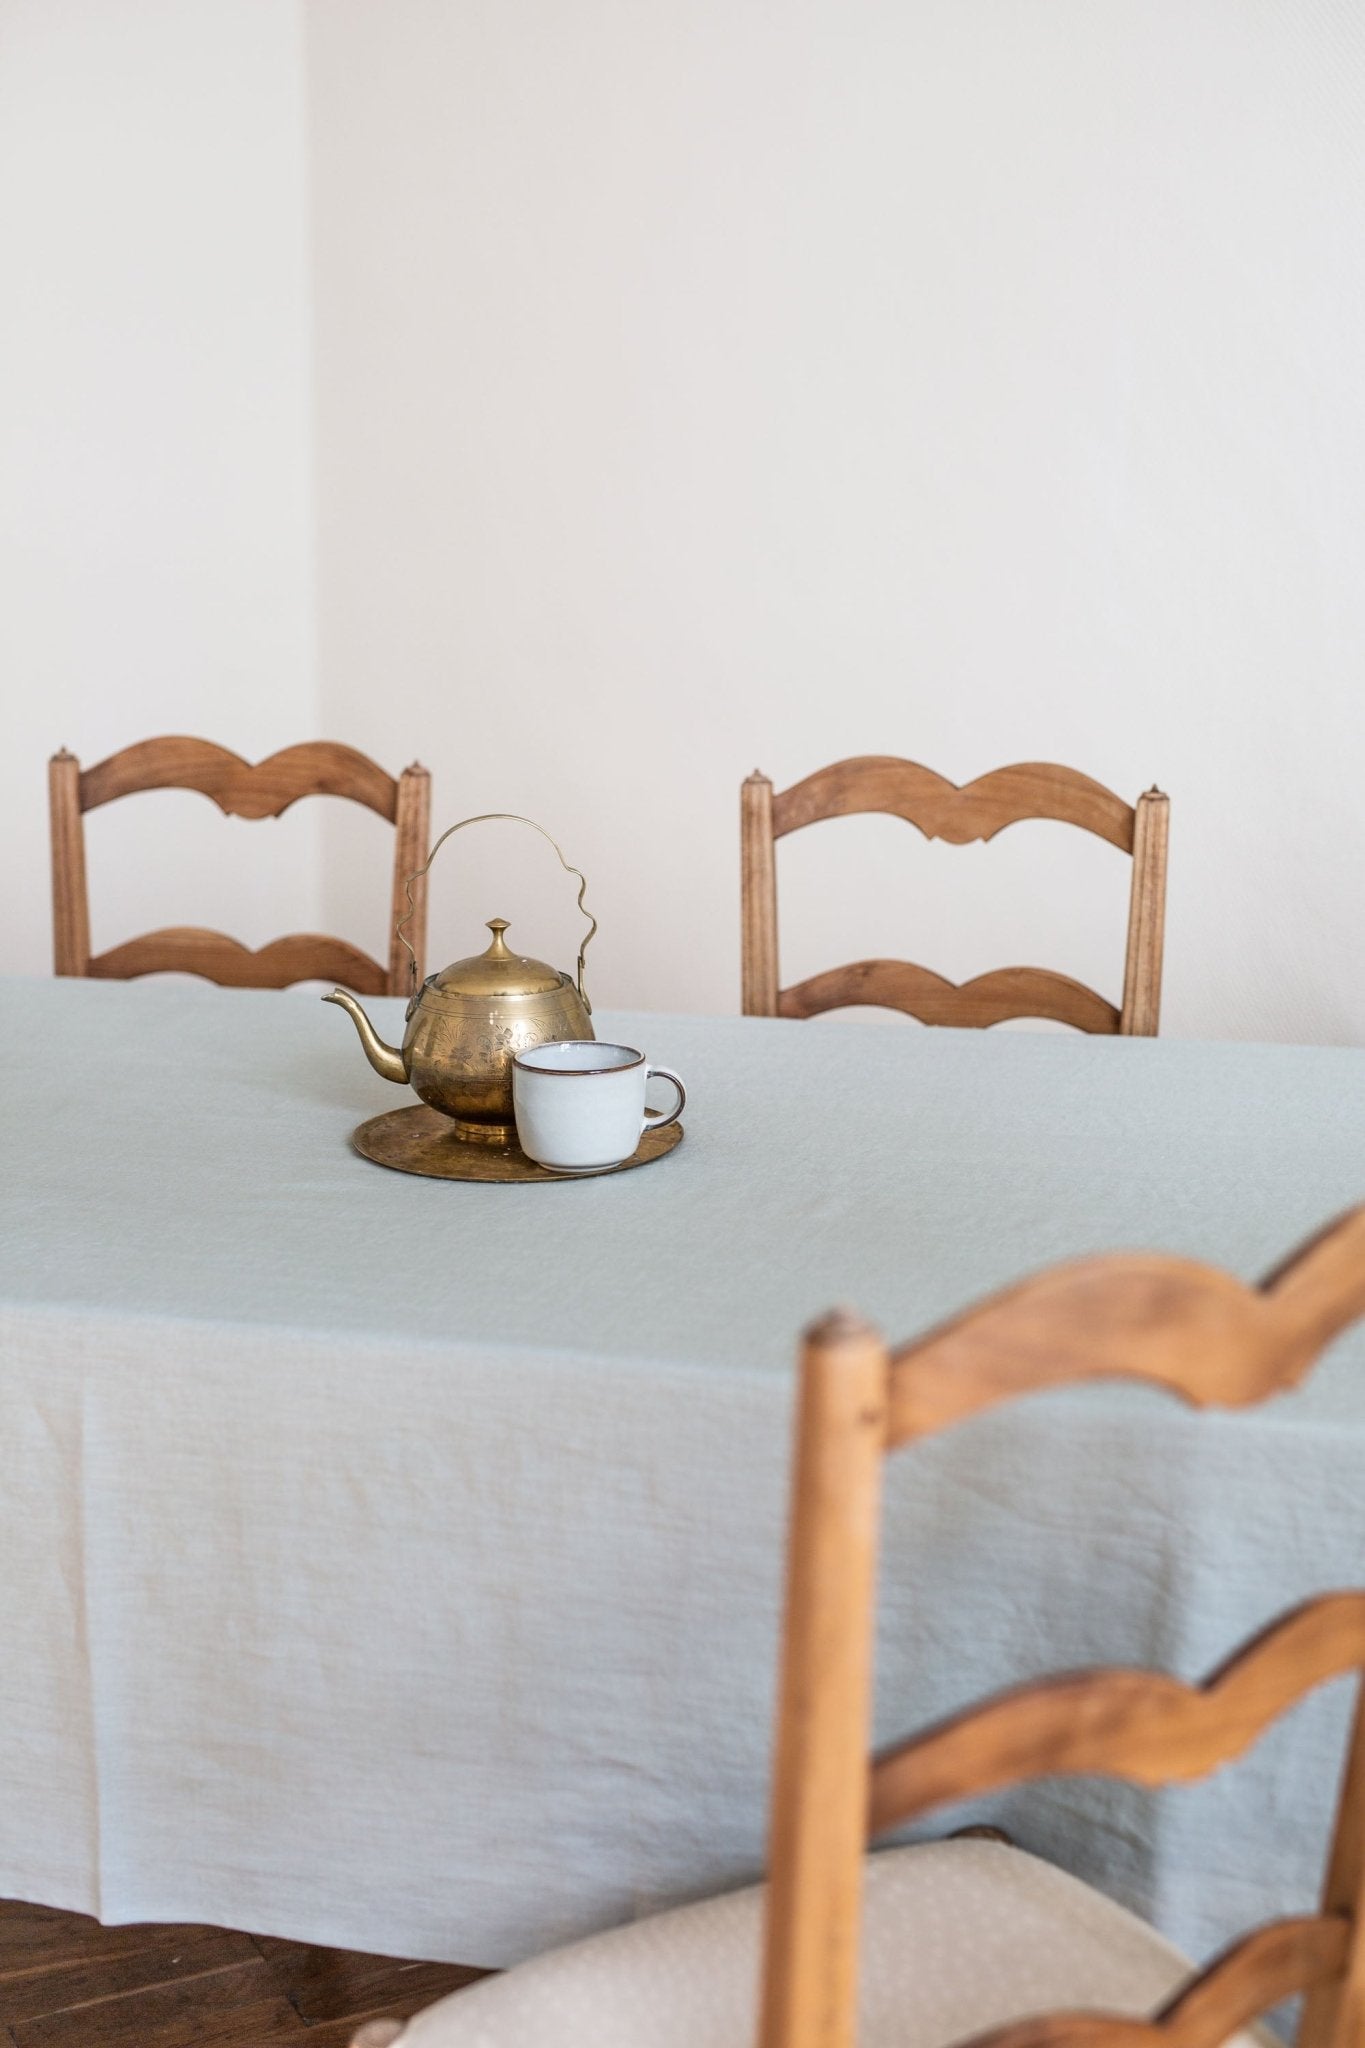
(499, 971)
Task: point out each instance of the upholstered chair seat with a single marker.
(957, 1936)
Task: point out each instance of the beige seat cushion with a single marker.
(957, 1936)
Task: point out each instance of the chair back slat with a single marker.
(1140, 1726)
(240, 789)
(189, 949)
(955, 813)
(989, 999)
(1193, 1329)
(942, 810)
(1276, 1962)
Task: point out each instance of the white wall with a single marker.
(155, 437)
(697, 384)
(704, 383)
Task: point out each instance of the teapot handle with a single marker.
(488, 818)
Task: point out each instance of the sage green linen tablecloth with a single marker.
(396, 1564)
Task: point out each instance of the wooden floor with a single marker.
(67, 1982)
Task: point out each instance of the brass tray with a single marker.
(421, 1140)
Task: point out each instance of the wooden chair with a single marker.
(969, 1940)
(1033, 789)
(318, 768)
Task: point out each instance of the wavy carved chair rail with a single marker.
(1197, 1333)
(942, 810)
(240, 789)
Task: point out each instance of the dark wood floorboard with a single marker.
(40, 1938)
(163, 1955)
(67, 1982)
(329, 1983)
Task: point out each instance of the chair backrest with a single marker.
(1200, 1334)
(978, 810)
(317, 768)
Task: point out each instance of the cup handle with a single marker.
(654, 1121)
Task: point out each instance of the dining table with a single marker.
(396, 1563)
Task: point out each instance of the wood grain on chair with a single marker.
(240, 789)
(942, 810)
(1197, 1333)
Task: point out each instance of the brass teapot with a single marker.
(465, 1024)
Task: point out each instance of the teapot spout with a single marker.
(385, 1059)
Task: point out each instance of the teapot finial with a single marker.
(498, 949)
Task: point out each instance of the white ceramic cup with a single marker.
(581, 1106)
